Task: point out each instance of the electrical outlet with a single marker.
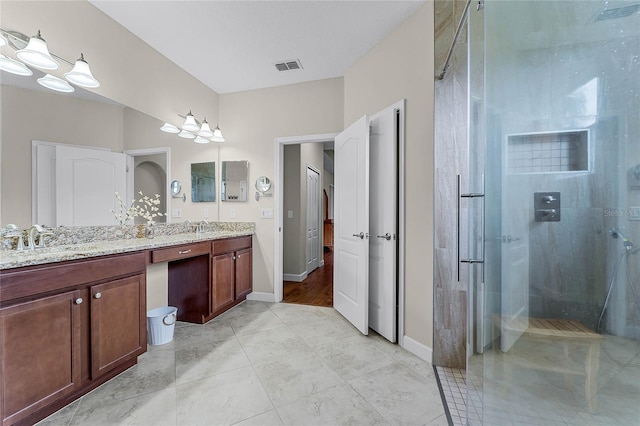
(176, 213)
(205, 213)
(290, 214)
(266, 213)
(232, 213)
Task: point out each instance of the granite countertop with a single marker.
(10, 259)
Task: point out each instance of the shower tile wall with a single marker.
(568, 259)
(451, 153)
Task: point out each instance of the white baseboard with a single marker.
(261, 297)
(295, 278)
(418, 349)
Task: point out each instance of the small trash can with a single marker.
(160, 325)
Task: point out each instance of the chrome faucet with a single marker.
(39, 230)
(202, 225)
(15, 232)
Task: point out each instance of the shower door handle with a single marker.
(459, 198)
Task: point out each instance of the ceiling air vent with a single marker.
(293, 64)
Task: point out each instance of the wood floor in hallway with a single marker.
(316, 289)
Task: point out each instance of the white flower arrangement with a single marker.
(148, 209)
(126, 213)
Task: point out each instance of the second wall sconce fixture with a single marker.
(193, 129)
(33, 51)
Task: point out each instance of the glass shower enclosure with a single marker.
(554, 129)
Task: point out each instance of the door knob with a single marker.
(386, 236)
(360, 235)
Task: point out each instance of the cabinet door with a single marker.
(223, 281)
(118, 323)
(244, 273)
(40, 353)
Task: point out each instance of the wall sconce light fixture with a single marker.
(33, 51)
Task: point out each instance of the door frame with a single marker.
(319, 224)
(278, 202)
(131, 153)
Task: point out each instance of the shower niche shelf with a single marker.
(548, 152)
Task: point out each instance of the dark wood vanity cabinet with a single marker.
(66, 328)
(188, 270)
(40, 348)
(115, 306)
(207, 278)
(231, 272)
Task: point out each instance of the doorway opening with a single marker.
(150, 172)
(307, 269)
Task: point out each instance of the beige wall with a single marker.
(252, 120)
(401, 66)
(50, 117)
(292, 258)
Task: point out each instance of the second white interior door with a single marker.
(313, 219)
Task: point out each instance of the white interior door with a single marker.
(43, 183)
(313, 219)
(351, 225)
(86, 180)
(516, 207)
(383, 248)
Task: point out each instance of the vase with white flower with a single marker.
(148, 209)
(125, 212)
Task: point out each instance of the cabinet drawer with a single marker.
(179, 252)
(17, 284)
(231, 244)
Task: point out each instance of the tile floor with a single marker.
(267, 364)
(532, 397)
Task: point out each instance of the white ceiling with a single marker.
(233, 45)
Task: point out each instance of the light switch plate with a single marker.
(176, 213)
(205, 213)
(232, 213)
(266, 213)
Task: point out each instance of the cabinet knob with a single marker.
(234, 258)
(78, 301)
(97, 295)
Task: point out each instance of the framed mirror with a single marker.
(203, 182)
(235, 175)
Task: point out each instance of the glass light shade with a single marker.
(14, 67)
(205, 130)
(217, 135)
(54, 83)
(81, 74)
(36, 54)
(190, 124)
(200, 139)
(169, 128)
(185, 134)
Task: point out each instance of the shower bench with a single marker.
(571, 335)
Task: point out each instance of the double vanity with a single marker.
(74, 316)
